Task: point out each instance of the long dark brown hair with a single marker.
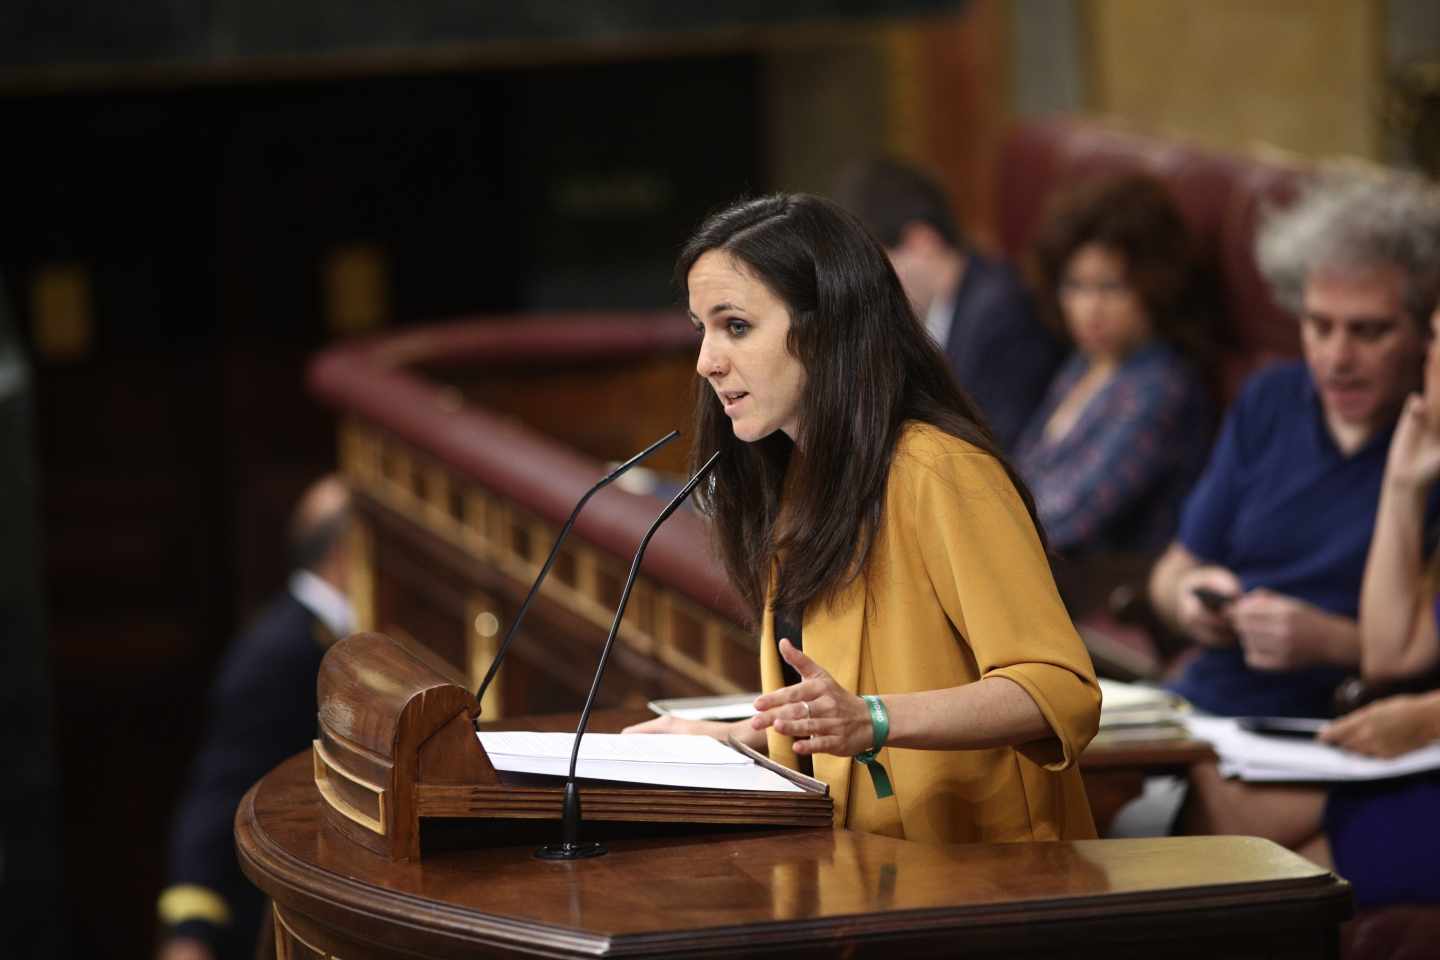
(870, 366)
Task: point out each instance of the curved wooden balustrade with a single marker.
(468, 444)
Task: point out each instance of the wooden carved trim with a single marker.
(362, 573)
(325, 768)
(513, 541)
(482, 641)
(285, 934)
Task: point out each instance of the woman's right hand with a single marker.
(1210, 627)
(1414, 460)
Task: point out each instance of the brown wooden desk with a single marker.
(807, 893)
(1114, 769)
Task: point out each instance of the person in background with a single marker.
(975, 307)
(262, 710)
(1379, 835)
(1124, 426)
(913, 646)
(1265, 573)
(1382, 836)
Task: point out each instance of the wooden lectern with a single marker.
(814, 893)
(335, 839)
(397, 746)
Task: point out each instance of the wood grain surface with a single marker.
(803, 892)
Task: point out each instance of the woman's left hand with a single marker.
(1385, 728)
(821, 715)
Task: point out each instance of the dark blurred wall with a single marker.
(46, 33)
(29, 804)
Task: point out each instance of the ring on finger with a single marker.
(806, 705)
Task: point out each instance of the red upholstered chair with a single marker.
(1261, 330)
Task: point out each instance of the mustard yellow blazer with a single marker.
(956, 588)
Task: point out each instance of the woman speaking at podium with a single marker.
(913, 645)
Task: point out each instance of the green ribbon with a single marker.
(880, 724)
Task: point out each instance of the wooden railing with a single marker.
(466, 446)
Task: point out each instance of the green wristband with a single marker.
(880, 724)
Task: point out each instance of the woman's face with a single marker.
(743, 354)
(1103, 313)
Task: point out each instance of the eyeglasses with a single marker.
(1101, 288)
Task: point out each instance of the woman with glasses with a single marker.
(1124, 427)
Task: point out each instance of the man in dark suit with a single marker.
(261, 711)
(974, 306)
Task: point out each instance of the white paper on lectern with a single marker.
(661, 759)
(1256, 757)
(737, 707)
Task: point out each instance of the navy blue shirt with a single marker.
(1283, 508)
(1000, 352)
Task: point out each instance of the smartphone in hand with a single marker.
(1303, 728)
(1213, 600)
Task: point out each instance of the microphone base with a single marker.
(571, 850)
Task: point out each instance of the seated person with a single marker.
(975, 307)
(1382, 836)
(1379, 835)
(1125, 424)
(1276, 530)
(262, 711)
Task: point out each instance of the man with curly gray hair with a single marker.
(1265, 573)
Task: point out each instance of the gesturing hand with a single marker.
(1414, 459)
(831, 718)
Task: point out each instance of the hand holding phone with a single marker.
(1213, 600)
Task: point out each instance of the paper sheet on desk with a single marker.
(1119, 697)
(655, 758)
(1255, 757)
(736, 707)
(1137, 706)
(630, 747)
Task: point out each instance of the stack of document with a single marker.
(1132, 711)
(1264, 758)
(655, 758)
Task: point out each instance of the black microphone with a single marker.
(571, 848)
(555, 551)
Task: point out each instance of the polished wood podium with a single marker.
(802, 893)
(341, 840)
